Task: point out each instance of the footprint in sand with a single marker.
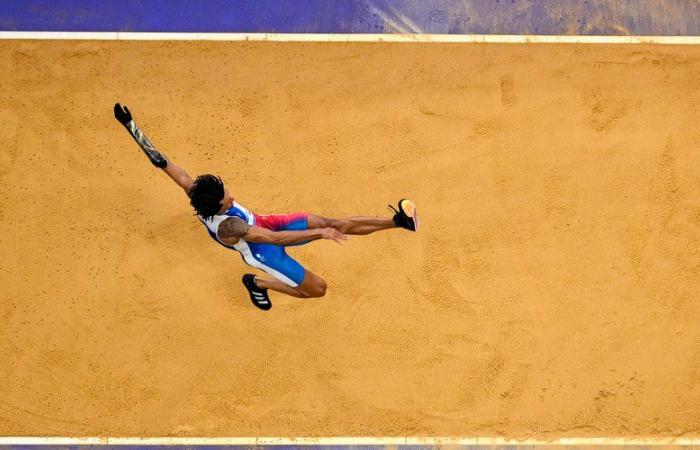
(507, 91)
(606, 109)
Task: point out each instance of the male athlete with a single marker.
(261, 239)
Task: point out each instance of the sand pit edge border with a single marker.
(315, 37)
(398, 38)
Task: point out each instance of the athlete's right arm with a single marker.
(178, 174)
(233, 229)
(182, 178)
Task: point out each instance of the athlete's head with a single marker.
(208, 195)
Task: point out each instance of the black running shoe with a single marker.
(406, 216)
(257, 295)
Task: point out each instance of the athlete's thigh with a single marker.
(274, 260)
(298, 221)
(284, 222)
(312, 283)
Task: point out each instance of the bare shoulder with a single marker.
(232, 229)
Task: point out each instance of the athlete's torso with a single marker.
(237, 210)
(269, 258)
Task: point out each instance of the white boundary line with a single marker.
(312, 37)
(428, 441)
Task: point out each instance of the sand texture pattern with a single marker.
(553, 290)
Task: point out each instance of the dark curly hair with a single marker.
(206, 194)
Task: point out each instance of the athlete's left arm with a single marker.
(177, 173)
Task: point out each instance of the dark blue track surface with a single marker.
(573, 17)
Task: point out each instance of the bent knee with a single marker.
(317, 290)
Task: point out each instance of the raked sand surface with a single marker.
(553, 290)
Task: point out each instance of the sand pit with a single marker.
(552, 291)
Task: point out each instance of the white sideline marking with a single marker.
(431, 441)
(313, 37)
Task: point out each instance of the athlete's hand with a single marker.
(333, 234)
(122, 115)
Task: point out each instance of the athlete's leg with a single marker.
(352, 225)
(277, 285)
(312, 286)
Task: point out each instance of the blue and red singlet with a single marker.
(272, 259)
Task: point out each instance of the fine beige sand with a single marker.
(553, 290)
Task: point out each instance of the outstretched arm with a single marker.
(159, 160)
(234, 228)
(178, 174)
